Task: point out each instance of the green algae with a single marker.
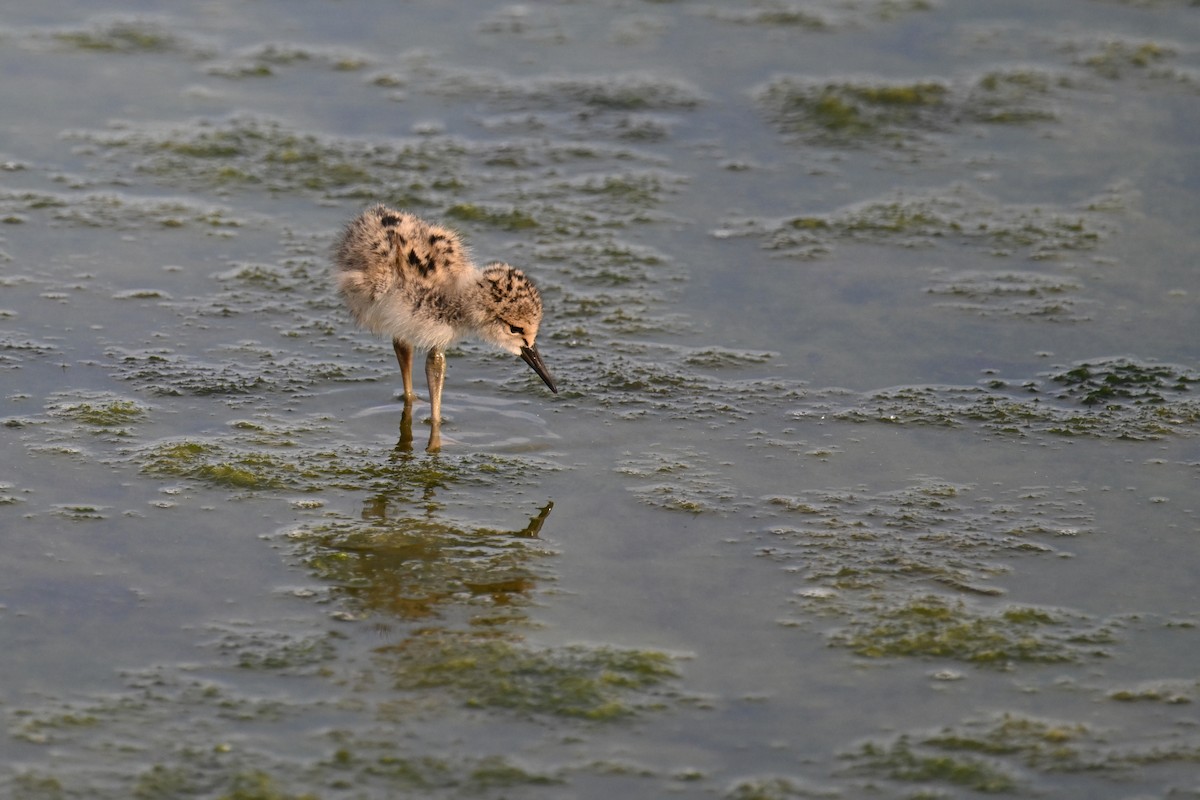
(275, 651)
(775, 787)
(102, 414)
(529, 23)
(269, 456)
(860, 113)
(363, 761)
(997, 753)
(605, 93)
(673, 382)
(221, 467)
(863, 557)
(1014, 97)
(361, 765)
(250, 372)
(1040, 742)
(778, 15)
(680, 480)
(564, 192)
(261, 152)
(619, 193)
(509, 219)
(161, 782)
(1117, 58)
(1110, 398)
(841, 113)
(933, 532)
(929, 626)
(498, 772)
(224, 466)
(121, 211)
(1013, 293)
(379, 762)
(80, 512)
(292, 296)
(29, 785)
(599, 684)
(124, 36)
(961, 407)
(898, 761)
(266, 60)
(1119, 382)
(607, 262)
(587, 206)
(956, 214)
(46, 727)
(224, 462)
(723, 357)
(821, 17)
(622, 93)
(260, 786)
(1170, 692)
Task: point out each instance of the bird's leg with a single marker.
(435, 374)
(404, 355)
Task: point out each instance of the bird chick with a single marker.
(414, 282)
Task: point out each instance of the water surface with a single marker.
(872, 471)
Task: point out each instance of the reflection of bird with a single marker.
(415, 567)
(413, 281)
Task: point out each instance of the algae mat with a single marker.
(872, 471)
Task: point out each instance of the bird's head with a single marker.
(511, 314)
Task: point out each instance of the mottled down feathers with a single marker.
(414, 282)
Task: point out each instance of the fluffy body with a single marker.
(414, 282)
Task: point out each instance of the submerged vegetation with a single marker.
(1013, 293)
(1118, 57)
(272, 457)
(1003, 753)
(872, 559)
(932, 627)
(591, 683)
(1122, 382)
(119, 35)
(189, 404)
(956, 215)
(1119, 398)
(103, 414)
(861, 114)
(118, 210)
(848, 112)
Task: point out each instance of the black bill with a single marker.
(531, 357)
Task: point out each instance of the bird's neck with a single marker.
(474, 293)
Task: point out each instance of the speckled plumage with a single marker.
(414, 282)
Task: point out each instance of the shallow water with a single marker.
(872, 471)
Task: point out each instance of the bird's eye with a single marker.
(517, 329)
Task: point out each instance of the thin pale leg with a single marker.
(404, 356)
(435, 374)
